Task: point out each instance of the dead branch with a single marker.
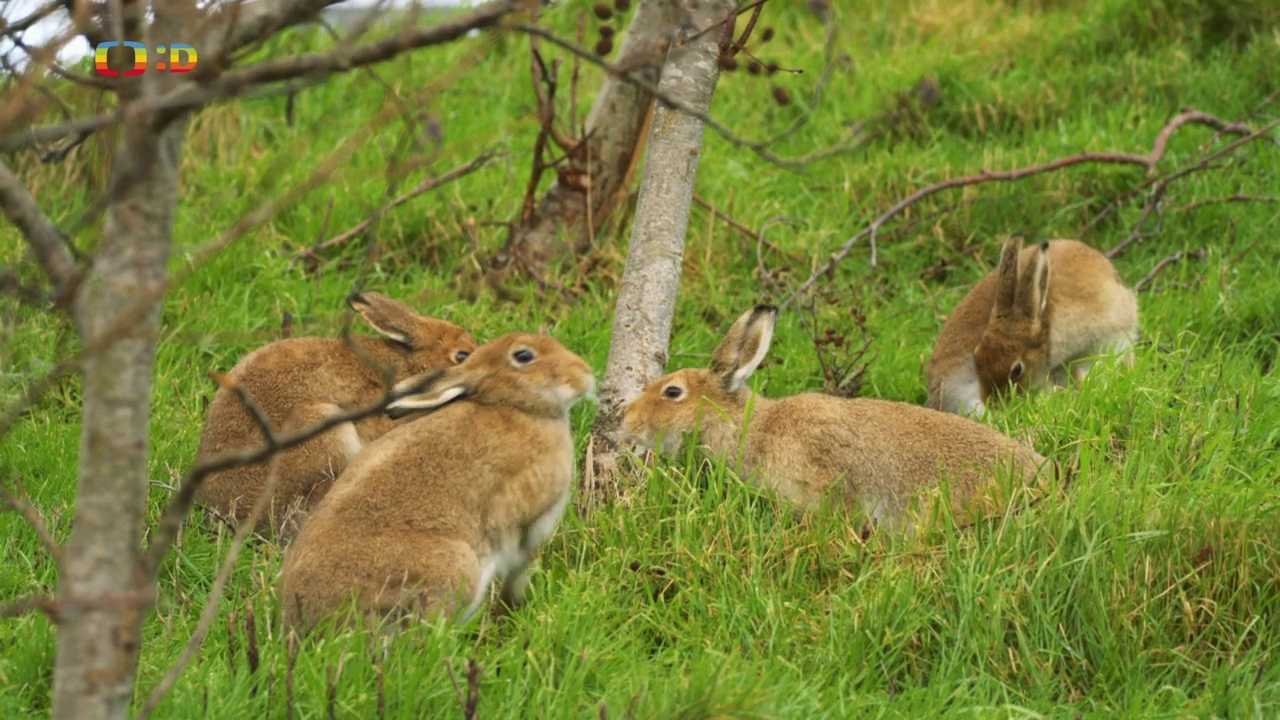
(1147, 162)
(47, 242)
(312, 67)
(1187, 117)
(243, 530)
(425, 186)
(34, 17)
(1179, 256)
(1237, 198)
(32, 392)
(1160, 185)
(21, 505)
(175, 512)
(759, 148)
(30, 603)
(986, 176)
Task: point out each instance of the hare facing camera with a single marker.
(431, 513)
(1045, 313)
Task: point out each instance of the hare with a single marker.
(876, 455)
(1044, 312)
(300, 381)
(429, 514)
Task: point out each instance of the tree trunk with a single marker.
(651, 278)
(104, 592)
(613, 141)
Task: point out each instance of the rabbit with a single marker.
(300, 381)
(430, 514)
(876, 455)
(1029, 323)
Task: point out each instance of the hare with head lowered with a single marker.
(428, 515)
(1045, 311)
(300, 381)
(877, 455)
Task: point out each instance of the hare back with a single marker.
(877, 451)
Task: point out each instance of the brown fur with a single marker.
(1010, 332)
(300, 381)
(428, 514)
(874, 454)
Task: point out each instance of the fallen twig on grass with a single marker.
(1179, 256)
(21, 505)
(425, 186)
(1237, 198)
(1146, 161)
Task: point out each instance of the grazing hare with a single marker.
(1043, 312)
(428, 515)
(874, 454)
(300, 381)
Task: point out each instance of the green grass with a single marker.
(1148, 588)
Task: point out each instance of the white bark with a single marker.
(651, 278)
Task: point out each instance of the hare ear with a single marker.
(390, 318)
(744, 347)
(1033, 286)
(1007, 279)
(439, 388)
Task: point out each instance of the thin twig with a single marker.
(425, 186)
(1237, 198)
(1179, 256)
(22, 506)
(210, 611)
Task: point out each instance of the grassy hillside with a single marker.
(1149, 588)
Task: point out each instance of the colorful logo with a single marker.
(177, 58)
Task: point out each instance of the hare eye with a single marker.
(1015, 372)
(524, 356)
(672, 392)
(460, 356)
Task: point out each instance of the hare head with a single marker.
(1014, 349)
(532, 373)
(675, 404)
(427, 342)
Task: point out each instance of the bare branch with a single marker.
(14, 499)
(243, 530)
(425, 186)
(1187, 117)
(1147, 162)
(1237, 198)
(166, 530)
(46, 241)
(1179, 256)
(44, 11)
(986, 176)
(312, 67)
(30, 603)
(759, 148)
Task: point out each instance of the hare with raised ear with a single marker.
(1044, 312)
(876, 455)
(300, 381)
(430, 514)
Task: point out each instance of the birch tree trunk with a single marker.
(613, 142)
(651, 277)
(104, 592)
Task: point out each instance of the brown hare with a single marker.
(1044, 312)
(300, 381)
(876, 455)
(431, 513)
